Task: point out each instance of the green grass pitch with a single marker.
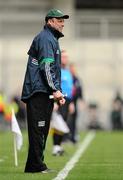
(102, 160)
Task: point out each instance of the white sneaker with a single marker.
(57, 150)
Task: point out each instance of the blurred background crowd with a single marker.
(93, 41)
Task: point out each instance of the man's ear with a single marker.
(50, 21)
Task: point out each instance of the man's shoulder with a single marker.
(44, 35)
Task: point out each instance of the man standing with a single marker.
(42, 78)
(68, 108)
(77, 94)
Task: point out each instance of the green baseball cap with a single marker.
(55, 13)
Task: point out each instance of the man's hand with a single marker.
(58, 95)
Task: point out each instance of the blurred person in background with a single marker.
(43, 78)
(6, 105)
(117, 113)
(21, 113)
(58, 128)
(10, 104)
(77, 94)
(68, 107)
(2, 104)
(93, 116)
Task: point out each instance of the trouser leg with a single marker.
(39, 109)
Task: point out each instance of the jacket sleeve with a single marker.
(48, 66)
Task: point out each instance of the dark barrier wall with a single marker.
(99, 4)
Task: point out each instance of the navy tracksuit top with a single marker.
(43, 73)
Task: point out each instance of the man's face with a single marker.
(58, 24)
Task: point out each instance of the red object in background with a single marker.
(7, 117)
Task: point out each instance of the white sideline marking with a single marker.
(70, 164)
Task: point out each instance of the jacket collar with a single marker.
(55, 32)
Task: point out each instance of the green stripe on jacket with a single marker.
(46, 60)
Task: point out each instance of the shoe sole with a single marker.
(48, 171)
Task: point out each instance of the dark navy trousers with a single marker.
(39, 110)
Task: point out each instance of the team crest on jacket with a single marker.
(35, 61)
